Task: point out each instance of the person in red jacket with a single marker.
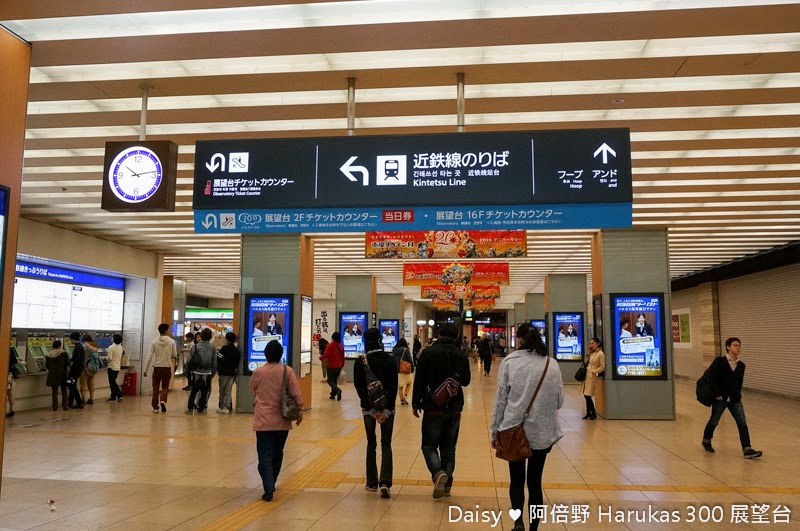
(334, 354)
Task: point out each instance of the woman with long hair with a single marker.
(520, 374)
(595, 364)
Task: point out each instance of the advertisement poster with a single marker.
(268, 318)
(390, 328)
(476, 305)
(352, 326)
(638, 338)
(453, 273)
(569, 336)
(464, 292)
(681, 327)
(445, 244)
(305, 329)
(541, 326)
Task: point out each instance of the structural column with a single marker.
(356, 294)
(565, 294)
(631, 262)
(534, 306)
(276, 264)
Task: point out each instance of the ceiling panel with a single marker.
(711, 93)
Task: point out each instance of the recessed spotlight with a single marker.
(65, 189)
(617, 101)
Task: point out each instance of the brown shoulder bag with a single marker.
(512, 444)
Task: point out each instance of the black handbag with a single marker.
(580, 374)
(703, 391)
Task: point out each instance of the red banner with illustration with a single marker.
(454, 273)
(445, 244)
(477, 305)
(466, 292)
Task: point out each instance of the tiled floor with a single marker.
(118, 466)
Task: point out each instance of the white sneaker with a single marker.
(223, 410)
(156, 410)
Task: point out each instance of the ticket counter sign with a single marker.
(559, 179)
(455, 273)
(639, 342)
(445, 244)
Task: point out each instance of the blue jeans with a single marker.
(386, 451)
(269, 446)
(439, 438)
(737, 410)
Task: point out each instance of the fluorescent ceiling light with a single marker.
(328, 14)
(439, 57)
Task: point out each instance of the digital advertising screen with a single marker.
(597, 317)
(389, 329)
(268, 317)
(541, 326)
(351, 327)
(638, 336)
(568, 336)
(305, 329)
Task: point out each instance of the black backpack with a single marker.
(703, 391)
(375, 393)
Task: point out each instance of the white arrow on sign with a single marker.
(210, 220)
(212, 166)
(348, 170)
(605, 149)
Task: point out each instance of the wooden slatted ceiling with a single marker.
(711, 95)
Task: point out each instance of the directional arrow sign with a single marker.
(212, 166)
(605, 149)
(210, 220)
(348, 170)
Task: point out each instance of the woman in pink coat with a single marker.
(271, 429)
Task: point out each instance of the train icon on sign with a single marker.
(390, 170)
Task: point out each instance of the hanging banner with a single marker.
(439, 244)
(452, 273)
(477, 305)
(452, 293)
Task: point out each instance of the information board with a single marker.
(389, 328)
(4, 196)
(41, 304)
(351, 328)
(639, 341)
(415, 182)
(268, 317)
(96, 308)
(568, 336)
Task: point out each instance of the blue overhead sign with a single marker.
(583, 216)
(526, 180)
(59, 274)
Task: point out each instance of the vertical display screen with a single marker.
(389, 329)
(351, 327)
(541, 326)
(638, 336)
(305, 329)
(597, 316)
(568, 336)
(268, 318)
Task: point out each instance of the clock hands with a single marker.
(138, 174)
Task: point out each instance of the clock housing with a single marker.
(140, 176)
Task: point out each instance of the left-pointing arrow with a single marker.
(210, 220)
(348, 171)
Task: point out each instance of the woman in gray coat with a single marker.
(519, 376)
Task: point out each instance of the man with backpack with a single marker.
(375, 380)
(442, 371)
(725, 377)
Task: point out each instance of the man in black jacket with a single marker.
(228, 360)
(382, 365)
(726, 376)
(440, 425)
(77, 366)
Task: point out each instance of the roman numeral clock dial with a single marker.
(135, 174)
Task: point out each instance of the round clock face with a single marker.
(135, 174)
